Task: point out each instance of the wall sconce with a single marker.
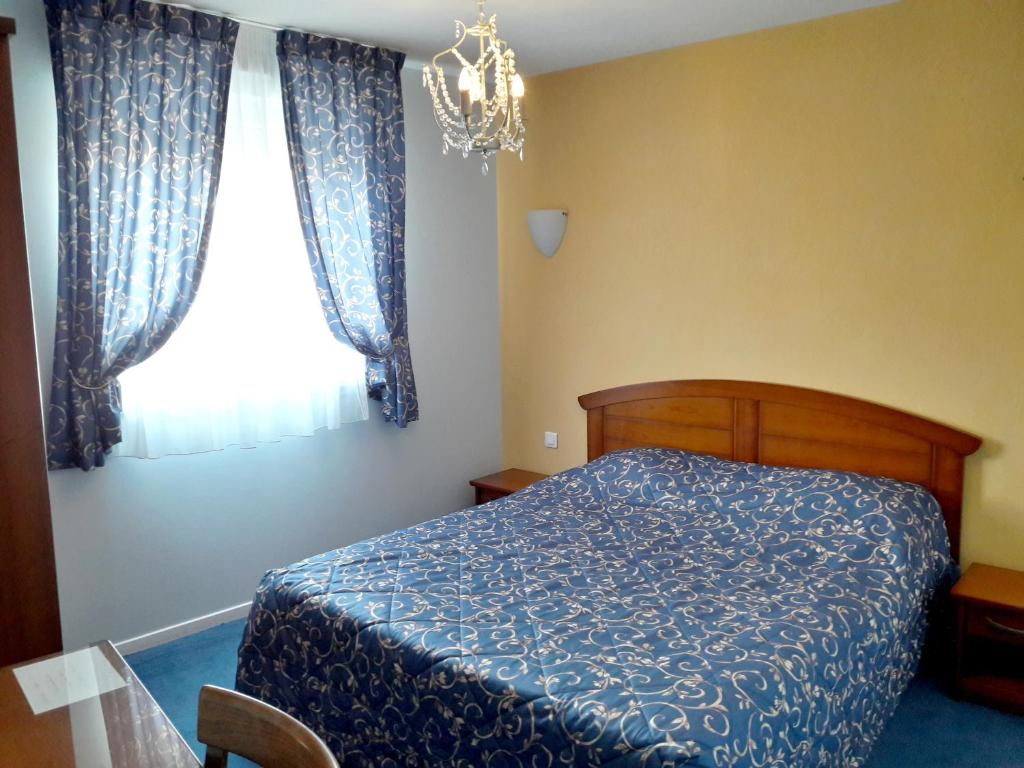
(547, 228)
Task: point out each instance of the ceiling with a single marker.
(547, 35)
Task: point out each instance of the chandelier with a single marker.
(486, 117)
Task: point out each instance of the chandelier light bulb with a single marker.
(465, 95)
(518, 88)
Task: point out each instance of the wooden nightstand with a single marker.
(990, 636)
(500, 484)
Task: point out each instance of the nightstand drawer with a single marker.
(998, 624)
(484, 495)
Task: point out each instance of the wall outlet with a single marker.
(550, 439)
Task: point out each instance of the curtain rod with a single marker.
(262, 24)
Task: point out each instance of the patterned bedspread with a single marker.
(652, 608)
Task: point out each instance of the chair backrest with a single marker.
(233, 723)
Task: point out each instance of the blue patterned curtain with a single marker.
(141, 97)
(346, 136)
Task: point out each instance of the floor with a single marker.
(929, 729)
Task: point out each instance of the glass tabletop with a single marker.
(85, 709)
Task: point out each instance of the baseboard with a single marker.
(184, 629)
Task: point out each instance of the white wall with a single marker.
(145, 544)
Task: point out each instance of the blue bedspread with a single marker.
(652, 608)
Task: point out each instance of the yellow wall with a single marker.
(837, 204)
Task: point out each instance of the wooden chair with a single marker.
(233, 723)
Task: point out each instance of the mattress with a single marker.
(652, 608)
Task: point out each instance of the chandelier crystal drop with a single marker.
(485, 116)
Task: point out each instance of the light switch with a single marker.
(550, 439)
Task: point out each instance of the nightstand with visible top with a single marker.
(501, 484)
(990, 636)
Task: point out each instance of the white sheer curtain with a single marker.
(253, 360)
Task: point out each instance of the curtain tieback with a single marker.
(80, 385)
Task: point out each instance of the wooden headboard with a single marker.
(786, 426)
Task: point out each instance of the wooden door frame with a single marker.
(29, 611)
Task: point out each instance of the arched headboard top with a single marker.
(787, 426)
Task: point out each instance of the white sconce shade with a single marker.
(547, 228)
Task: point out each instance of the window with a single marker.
(254, 360)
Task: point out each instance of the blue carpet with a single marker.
(175, 672)
(929, 729)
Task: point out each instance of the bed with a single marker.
(739, 576)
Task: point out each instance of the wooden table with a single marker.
(122, 728)
(990, 636)
(501, 484)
